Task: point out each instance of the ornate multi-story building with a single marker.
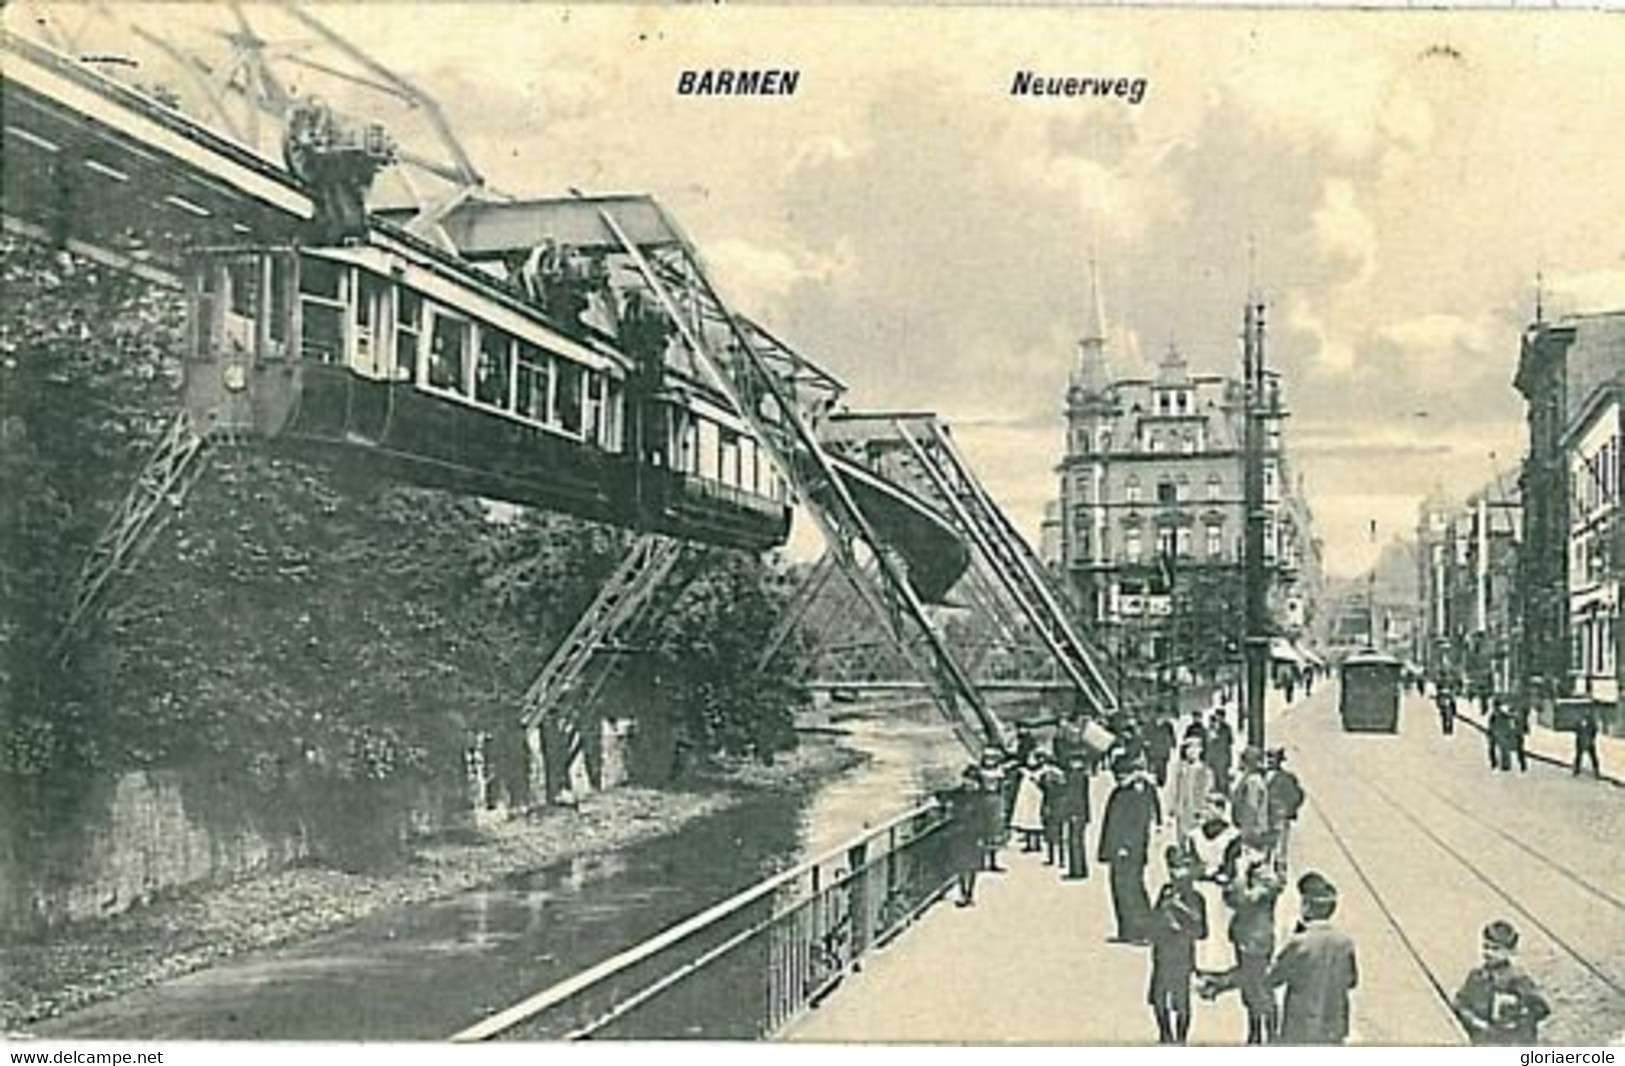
(1150, 519)
(1571, 373)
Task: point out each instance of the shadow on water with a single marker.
(426, 971)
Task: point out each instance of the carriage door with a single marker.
(369, 357)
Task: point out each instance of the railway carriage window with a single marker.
(201, 322)
(728, 458)
(689, 453)
(595, 407)
(534, 384)
(321, 310)
(614, 418)
(242, 305)
(568, 396)
(750, 475)
(408, 328)
(448, 353)
(492, 368)
(368, 317)
(709, 450)
(281, 302)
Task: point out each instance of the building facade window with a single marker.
(1182, 488)
(1131, 491)
(1215, 542)
(1184, 542)
(1166, 491)
(1131, 545)
(1215, 487)
(1167, 541)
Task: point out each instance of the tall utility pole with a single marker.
(1254, 575)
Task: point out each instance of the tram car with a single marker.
(446, 379)
(1369, 693)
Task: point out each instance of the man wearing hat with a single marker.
(1318, 968)
(1284, 799)
(1499, 1003)
(1125, 839)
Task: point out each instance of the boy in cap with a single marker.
(1499, 1003)
(1178, 921)
(1318, 967)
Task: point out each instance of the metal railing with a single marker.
(751, 964)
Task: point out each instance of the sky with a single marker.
(1391, 182)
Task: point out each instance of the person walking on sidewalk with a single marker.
(967, 809)
(1585, 741)
(1284, 800)
(1220, 751)
(1318, 968)
(1027, 815)
(989, 778)
(1499, 1003)
(1125, 838)
(1518, 731)
(1498, 735)
(1075, 816)
(1249, 802)
(1444, 697)
(1191, 790)
(1251, 894)
(1178, 920)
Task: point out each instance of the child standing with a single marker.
(1178, 921)
(1499, 1003)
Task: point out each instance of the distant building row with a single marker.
(1521, 584)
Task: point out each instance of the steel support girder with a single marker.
(1009, 557)
(622, 595)
(171, 469)
(778, 422)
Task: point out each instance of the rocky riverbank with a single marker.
(88, 964)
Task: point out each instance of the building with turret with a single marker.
(1150, 518)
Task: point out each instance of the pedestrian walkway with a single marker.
(1031, 962)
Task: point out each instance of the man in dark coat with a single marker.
(1075, 817)
(1318, 967)
(1220, 751)
(1585, 741)
(1445, 697)
(1499, 730)
(1499, 1003)
(1159, 747)
(1125, 837)
(1518, 731)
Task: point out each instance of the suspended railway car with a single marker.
(388, 350)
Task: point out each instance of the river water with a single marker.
(427, 971)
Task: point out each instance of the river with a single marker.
(426, 971)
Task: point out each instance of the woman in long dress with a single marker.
(1192, 786)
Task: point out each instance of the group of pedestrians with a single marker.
(1507, 724)
(1224, 823)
